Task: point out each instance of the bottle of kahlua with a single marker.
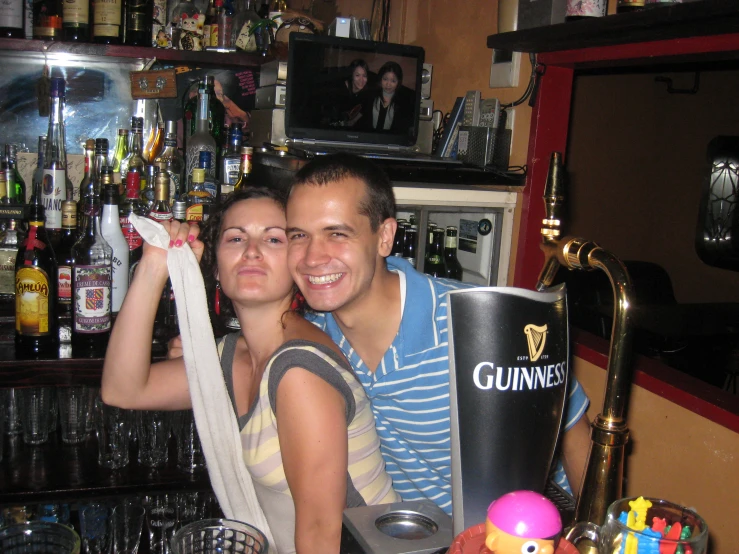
(35, 292)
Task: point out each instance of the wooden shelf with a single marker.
(56, 472)
(236, 59)
(695, 19)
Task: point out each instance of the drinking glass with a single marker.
(161, 518)
(190, 456)
(39, 536)
(152, 428)
(95, 528)
(35, 403)
(127, 522)
(113, 429)
(615, 536)
(74, 409)
(222, 536)
(12, 412)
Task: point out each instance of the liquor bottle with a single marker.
(12, 19)
(244, 168)
(453, 267)
(8, 254)
(174, 161)
(35, 291)
(231, 161)
(15, 181)
(225, 19)
(434, 264)
(65, 258)
(147, 194)
(91, 287)
(185, 11)
(47, 20)
(138, 22)
(197, 196)
(99, 162)
(216, 114)
(76, 20)
(56, 188)
(37, 180)
(120, 151)
(399, 239)
(132, 205)
(86, 184)
(201, 140)
(577, 9)
(135, 157)
(211, 183)
(161, 211)
(410, 246)
(154, 143)
(626, 6)
(242, 36)
(110, 227)
(210, 24)
(107, 17)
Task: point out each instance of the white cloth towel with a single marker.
(215, 419)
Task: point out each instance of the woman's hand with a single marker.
(179, 233)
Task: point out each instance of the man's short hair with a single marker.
(379, 201)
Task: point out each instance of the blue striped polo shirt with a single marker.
(409, 391)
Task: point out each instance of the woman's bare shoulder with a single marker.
(298, 328)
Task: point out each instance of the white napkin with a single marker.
(211, 404)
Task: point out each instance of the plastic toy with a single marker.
(522, 522)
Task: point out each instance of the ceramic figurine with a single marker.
(522, 522)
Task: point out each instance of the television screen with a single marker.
(349, 90)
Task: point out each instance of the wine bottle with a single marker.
(37, 180)
(453, 267)
(47, 20)
(110, 227)
(120, 151)
(92, 274)
(12, 19)
(65, 258)
(434, 264)
(35, 291)
(138, 22)
(56, 188)
(107, 16)
(86, 184)
(15, 181)
(76, 20)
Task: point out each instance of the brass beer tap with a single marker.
(602, 481)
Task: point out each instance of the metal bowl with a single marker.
(406, 525)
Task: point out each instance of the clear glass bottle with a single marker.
(230, 163)
(244, 20)
(92, 274)
(12, 14)
(216, 114)
(47, 20)
(110, 227)
(107, 19)
(225, 19)
(135, 156)
(453, 267)
(37, 181)
(120, 151)
(244, 168)
(35, 286)
(174, 161)
(76, 20)
(56, 186)
(155, 142)
(201, 140)
(197, 196)
(15, 181)
(184, 12)
(161, 211)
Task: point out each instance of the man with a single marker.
(390, 321)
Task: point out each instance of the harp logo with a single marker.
(536, 338)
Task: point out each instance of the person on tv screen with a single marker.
(356, 89)
(391, 107)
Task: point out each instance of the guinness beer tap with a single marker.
(603, 479)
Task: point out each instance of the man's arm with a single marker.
(575, 448)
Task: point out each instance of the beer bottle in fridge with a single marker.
(453, 267)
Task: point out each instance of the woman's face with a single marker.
(359, 78)
(252, 253)
(389, 83)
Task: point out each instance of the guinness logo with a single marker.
(536, 337)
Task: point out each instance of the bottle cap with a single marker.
(247, 150)
(198, 175)
(137, 124)
(179, 209)
(101, 145)
(236, 132)
(122, 132)
(161, 188)
(204, 159)
(57, 87)
(106, 175)
(170, 127)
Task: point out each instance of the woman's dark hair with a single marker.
(211, 236)
(354, 65)
(391, 67)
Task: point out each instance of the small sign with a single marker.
(153, 84)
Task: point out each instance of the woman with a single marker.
(286, 378)
(389, 108)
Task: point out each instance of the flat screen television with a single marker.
(351, 91)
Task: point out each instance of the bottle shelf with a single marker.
(56, 472)
(220, 59)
